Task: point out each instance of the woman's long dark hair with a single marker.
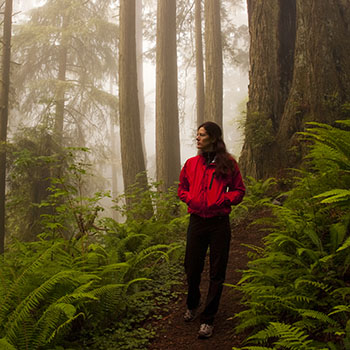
(224, 161)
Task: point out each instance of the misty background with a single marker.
(235, 89)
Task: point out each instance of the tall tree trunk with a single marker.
(321, 80)
(264, 88)
(130, 135)
(114, 164)
(213, 62)
(113, 136)
(167, 119)
(61, 79)
(5, 88)
(299, 72)
(140, 85)
(199, 63)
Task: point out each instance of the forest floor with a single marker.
(173, 333)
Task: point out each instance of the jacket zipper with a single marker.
(212, 179)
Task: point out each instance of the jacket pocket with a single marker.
(195, 203)
(217, 204)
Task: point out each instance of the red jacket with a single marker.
(206, 194)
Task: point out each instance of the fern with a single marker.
(317, 315)
(57, 318)
(315, 284)
(4, 345)
(334, 196)
(289, 337)
(296, 281)
(346, 245)
(23, 312)
(340, 308)
(9, 301)
(253, 322)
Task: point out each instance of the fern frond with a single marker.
(108, 289)
(340, 308)
(254, 321)
(342, 291)
(257, 249)
(281, 239)
(115, 271)
(335, 195)
(345, 245)
(146, 253)
(4, 345)
(10, 299)
(315, 284)
(317, 315)
(63, 327)
(289, 337)
(111, 298)
(304, 299)
(313, 255)
(54, 316)
(32, 301)
(136, 280)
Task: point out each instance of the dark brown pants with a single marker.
(202, 233)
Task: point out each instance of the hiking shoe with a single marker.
(205, 331)
(190, 315)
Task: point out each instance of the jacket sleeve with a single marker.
(184, 186)
(236, 188)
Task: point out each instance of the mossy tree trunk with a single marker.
(299, 72)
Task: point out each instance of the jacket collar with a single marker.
(209, 157)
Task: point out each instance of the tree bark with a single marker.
(167, 120)
(5, 88)
(133, 162)
(140, 85)
(213, 62)
(299, 72)
(199, 63)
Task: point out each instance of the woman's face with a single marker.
(204, 141)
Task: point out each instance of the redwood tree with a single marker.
(213, 62)
(299, 72)
(4, 99)
(167, 123)
(199, 63)
(139, 60)
(133, 162)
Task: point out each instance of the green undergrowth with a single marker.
(136, 330)
(296, 289)
(88, 281)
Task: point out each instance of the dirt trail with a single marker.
(173, 333)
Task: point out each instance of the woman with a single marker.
(209, 184)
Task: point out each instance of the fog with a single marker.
(234, 90)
